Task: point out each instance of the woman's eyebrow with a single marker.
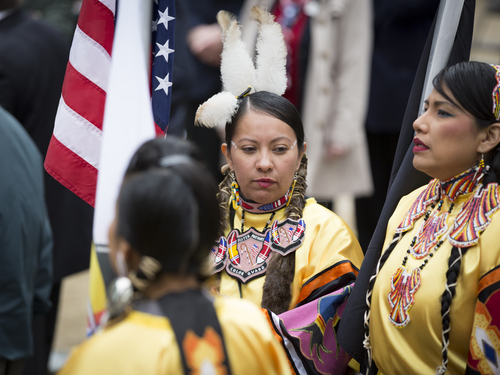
(272, 141)
(280, 138)
(248, 140)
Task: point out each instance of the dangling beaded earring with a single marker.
(481, 162)
(235, 191)
(292, 188)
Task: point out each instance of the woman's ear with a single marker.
(301, 153)
(227, 154)
(132, 257)
(491, 138)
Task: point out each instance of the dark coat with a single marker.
(400, 32)
(33, 58)
(25, 240)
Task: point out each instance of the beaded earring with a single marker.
(235, 191)
(481, 162)
(292, 188)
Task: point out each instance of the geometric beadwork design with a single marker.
(403, 287)
(490, 353)
(495, 95)
(428, 235)
(474, 217)
(417, 210)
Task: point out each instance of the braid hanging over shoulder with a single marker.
(223, 197)
(454, 266)
(277, 289)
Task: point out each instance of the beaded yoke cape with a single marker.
(406, 313)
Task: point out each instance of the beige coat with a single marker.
(336, 97)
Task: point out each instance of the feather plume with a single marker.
(216, 111)
(237, 68)
(271, 53)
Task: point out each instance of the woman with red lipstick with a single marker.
(433, 303)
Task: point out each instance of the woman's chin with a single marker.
(264, 198)
(419, 165)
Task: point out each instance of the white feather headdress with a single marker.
(238, 73)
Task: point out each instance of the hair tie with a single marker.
(244, 93)
(168, 161)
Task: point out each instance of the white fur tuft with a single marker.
(271, 54)
(237, 69)
(216, 111)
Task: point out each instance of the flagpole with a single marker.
(128, 118)
(128, 122)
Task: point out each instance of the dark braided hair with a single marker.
(454, 264)
(277, 292)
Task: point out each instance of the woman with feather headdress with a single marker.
(279, 249)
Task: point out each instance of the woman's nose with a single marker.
(419, 124)
(264, 162)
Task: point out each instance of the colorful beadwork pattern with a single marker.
(496, 94)
(429, 234)
(417, 210)
(404, 285)
(474, 217)
(235, 195)
(461, 184)
(484, 347)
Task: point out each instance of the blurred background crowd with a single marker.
(351, 65)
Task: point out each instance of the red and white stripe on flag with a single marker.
(74, 150)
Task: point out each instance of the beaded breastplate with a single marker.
(245, 255)
(473, 218)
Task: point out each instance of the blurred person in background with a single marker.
(33, 58)
(400, 28)
(329, 46)
(203, 39)
(25, 244)
(62, 14)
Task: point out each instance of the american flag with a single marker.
(115, 92)
(255, 250)
(74, 151)
(163, 61)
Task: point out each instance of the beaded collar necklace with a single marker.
(433, 232)
(258, 208)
